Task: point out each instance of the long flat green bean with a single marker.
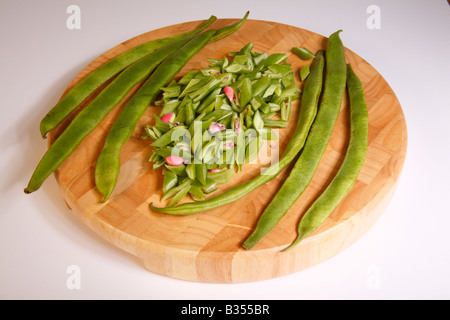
(76, 95)
(316, 143)
(88, 118)
(349, 170)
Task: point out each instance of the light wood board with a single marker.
(206, 247)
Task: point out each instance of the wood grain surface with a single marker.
(206, 247)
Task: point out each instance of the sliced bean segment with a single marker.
(236, 101)
(303, 53)
(309, 103)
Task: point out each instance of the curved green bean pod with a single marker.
(310, 100)
(93, 113)
(108, 164)
(227, 30)
(349, 170)
(315, 145)
(76, 95)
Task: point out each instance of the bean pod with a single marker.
(89, 117)
(316, 143)
(349, 170)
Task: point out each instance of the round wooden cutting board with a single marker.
(206, 247)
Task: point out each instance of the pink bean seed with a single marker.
(174, 161)
(216, 127)
(228, 145)
(168, 117)
(229, 92)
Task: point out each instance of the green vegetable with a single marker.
(246, 92)
(169, 136)
(275, 123)
(201, 172)
(196, 193)
(228, 108)
(221, 177)
(142, 58)
(316, 143)
(304, 72)
(170, 181)
(309, 103)
(350, 167)
(89, 117)
(303, 53)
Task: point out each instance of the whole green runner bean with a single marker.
(349, 170)
(308, 109)
(108, 164)
(315, 145)
(76, 95)
(88, 118)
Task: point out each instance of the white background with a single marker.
(404, 256)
